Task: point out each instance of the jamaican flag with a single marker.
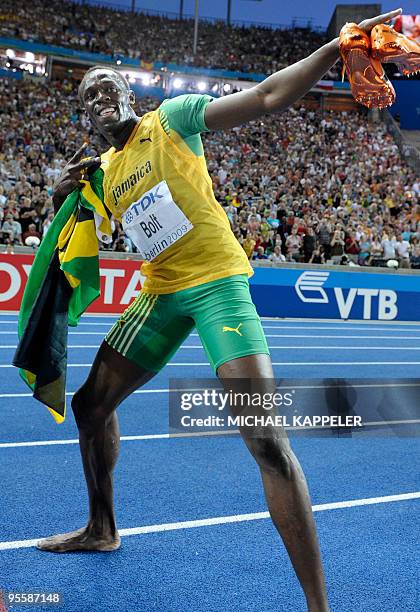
(63, 281)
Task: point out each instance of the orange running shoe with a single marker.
(390, 46)
(368, 82)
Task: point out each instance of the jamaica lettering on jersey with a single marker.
(132, 180)
(166, 146)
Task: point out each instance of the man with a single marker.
(309, 243)
(293, 244)
(156, 183)
(13, 228)
(403, 249)
(27, 213)
(388, 244)
(259, 254)
(31, 233)
(248, 245)
(277, 256)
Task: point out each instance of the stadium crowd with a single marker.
(154, 38)
(298, 186)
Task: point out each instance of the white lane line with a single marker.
(274, 363)
(306, 336)
(293, 327)
(124, 438)
(271, 346)
(145, 391)
(101, 333)
(309, 321)
(198, 434)
(236, 518)
(81, 323)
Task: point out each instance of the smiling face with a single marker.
(107, 98)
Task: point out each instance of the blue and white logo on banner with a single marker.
(330, 294)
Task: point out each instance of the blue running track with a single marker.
(174, 557)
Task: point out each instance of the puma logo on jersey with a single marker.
(148, 139)
(226, 328)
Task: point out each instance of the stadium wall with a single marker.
(332, 292)
(407, 104)
(325, 292)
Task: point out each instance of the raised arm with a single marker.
(281, 89)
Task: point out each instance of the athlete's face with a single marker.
(107, 100)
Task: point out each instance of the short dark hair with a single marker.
(98, 67)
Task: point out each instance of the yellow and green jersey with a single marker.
(158, 186)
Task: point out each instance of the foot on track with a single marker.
(82, 539)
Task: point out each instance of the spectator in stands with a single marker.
(271, 183)
(248, 245)
(277, 256)
(376, 251)
(309, 243)
(318, 255)
(324, 237)
(403, 249)
(337, 244)
(352, 245)
(259, 253)
(11, 230)
(293, 245)
(389, 244)
(27, 213)
(365, 247)
(415, 257)
(154, 38)
(31, 233)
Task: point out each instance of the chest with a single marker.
(137, 169)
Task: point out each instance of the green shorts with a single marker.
(153, 327)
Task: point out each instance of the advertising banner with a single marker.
(120, 282)
(327, 294)
(277, 292)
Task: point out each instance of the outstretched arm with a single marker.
(281, 89)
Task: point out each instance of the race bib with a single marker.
(155, 222)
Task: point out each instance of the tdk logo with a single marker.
(146, 200)
(309, 288)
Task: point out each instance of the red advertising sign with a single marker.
(121, 281)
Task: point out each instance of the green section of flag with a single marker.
(43, 258)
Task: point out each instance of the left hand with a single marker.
(368, 24)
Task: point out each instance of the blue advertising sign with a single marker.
(330, 294)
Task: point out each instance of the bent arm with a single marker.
(276, 93)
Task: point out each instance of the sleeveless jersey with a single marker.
(158, 186)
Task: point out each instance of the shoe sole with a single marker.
(407, 63)
(379, 94)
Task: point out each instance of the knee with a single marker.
(87, 413)
(273, 455)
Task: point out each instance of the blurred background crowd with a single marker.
(103, 30)
(301, 186)
(296, 187)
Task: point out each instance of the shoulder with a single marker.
(185, 102)
(185, 114)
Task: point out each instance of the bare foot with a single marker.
(82, 539)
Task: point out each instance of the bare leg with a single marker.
(111, 379)
(284, 483)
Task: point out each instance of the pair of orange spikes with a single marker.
(363, 57)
